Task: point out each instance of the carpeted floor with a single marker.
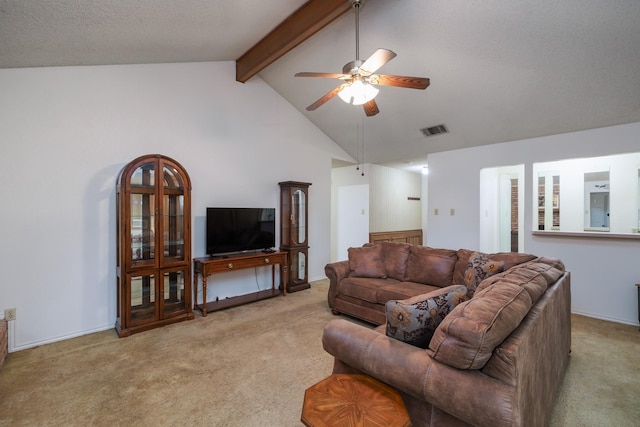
(250, 365)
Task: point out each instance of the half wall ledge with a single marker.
(588, 234)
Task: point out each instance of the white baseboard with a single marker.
(14, 348)
(609, 319)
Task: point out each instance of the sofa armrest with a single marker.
(411, 370)
(335, 271)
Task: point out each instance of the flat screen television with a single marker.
(240, 229)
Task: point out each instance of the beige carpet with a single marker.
(250, 365)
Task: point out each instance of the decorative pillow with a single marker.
(479, 267)
(366, 262)
(510, 259)
(414, 320)
(395, 256)
(430, 266)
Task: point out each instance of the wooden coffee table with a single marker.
(353, 400)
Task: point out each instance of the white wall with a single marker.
(390, 190)
(603, 271)
(68, 131)
(425, 205)
(373, 202)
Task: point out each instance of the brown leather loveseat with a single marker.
(496, 357)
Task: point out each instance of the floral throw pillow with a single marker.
(479, 267)
(414, 320)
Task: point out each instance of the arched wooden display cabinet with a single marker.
(153, 201)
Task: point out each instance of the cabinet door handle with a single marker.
(230, 265)
(267, 260)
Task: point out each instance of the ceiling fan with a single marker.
(359, 77)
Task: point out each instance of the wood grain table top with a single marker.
(353, 400)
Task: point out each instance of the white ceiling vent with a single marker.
(434, 130)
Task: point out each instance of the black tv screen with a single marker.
(240, 229)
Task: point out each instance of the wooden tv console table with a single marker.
(207, 266)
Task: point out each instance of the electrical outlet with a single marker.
(10, 314)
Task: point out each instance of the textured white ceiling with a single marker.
(500, 70)
(92, 32)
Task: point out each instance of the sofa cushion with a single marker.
(415, 319)
(467, 337)
(534, 276)
(395, 256)
(366, 262)
(510, 259)
(479, 267)
(402, 290)
(431, 266)
(364, 288)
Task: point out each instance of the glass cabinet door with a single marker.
(142, 298)
(298, 266)
(299, 216)
(173, 292)
(142, 204)
(173, 216)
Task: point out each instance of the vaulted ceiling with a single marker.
(500, 70)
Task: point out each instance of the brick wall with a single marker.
(556, 208)
(514, 205)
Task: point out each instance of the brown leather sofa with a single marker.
(497, 359)
(375, 274)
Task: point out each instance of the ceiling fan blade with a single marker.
(400, 81)
(326, 75)
(377, 60)
(325, 98)
(370, 108)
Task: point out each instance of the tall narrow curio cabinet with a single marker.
(294, 216)
(153, 200)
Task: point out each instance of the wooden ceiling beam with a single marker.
(310, 18)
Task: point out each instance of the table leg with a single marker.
(195, 290)
(204, 295)
(283, 277)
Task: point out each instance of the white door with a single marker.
(352, 218)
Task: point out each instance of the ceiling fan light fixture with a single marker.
(358, 77)
(358, 93)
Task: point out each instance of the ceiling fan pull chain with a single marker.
(362, 145)
(362, 151)
(357, 147)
